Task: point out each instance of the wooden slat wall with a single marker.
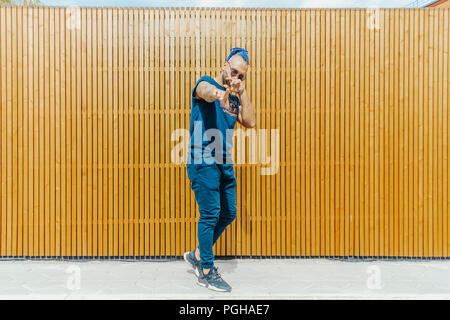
(87, 114)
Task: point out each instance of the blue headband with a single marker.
(242, 52)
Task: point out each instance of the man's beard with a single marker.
(225, 81)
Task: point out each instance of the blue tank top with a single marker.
(211, 128)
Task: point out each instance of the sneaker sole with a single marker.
(187, 261)
(212, 287)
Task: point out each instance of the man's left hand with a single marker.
(236, 85)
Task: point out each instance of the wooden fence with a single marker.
(90, 98)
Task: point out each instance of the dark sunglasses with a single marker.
(235, 73)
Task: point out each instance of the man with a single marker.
(210, 168)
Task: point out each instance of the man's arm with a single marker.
(246, 115)
(210, 93)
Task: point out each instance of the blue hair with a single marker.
(241, 51)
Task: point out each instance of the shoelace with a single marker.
(214, 273)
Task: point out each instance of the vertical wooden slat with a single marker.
(337, 98)
(61, 205)
(3, 128)
(435, 119)
(254, 195)
(325, 85)
(42, 84)
(3, 107)
(357, 155)
(6, 107)
(298, 224)
(426, 134)
(159, 234)
(120, 133)
(416, 194)
(132, 108)
(314, 134)
(410, 138)
(170, 116)
(14, 130)
(364, 137)
(404, 109)
(28, 85)
(141, 134)
(95, 120)
(73, 128)
(126, 116)
(347, 135)
(445, 101)
(324, 240)
(376, 130)
(165, 109)
(51, 134)
(83, 133)
(352, 129)
(431, 103)
(432, 128)
(384, 127)
(58, 124)
(367, 139)
(89, 117)
(192, 76)
(371, 141)
(183, 124)
(135, 149)
(284, 105)
(276, 122)
(76, 154)
(330, 127)
(109, 149)
(146, 133)
(390, 220)
(153, 226)
(117, 117)
(320, 222)
(216, 58)
(20, 142)
(103, 137)
(174, 124)
(334, 103)
(289, 186)
(249, 188)
(306, 98)
(439, 84)
(398, 72)
(98, 159)
(409, 130)
(260, 100)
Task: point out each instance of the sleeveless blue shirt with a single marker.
(211, 128)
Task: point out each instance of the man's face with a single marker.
(235, 68)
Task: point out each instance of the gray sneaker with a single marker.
(190, 258)
(212, 280)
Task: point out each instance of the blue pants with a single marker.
(214, 187)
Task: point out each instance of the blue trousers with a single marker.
(214, 187)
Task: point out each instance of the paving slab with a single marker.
(250, 279)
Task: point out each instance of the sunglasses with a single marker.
(235, 73)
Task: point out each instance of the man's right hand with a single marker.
(223, 95)
(210, 93)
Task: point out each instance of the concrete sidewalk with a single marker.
(250, 279)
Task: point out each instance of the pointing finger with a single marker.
(226, 93)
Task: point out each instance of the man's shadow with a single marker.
(226, 264)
